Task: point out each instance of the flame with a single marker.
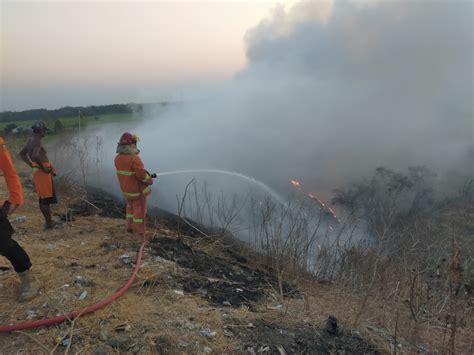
(295, 183)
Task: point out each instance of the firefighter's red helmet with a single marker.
(128, 138)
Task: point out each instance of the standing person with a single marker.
(9, 248)
(134, 182)
(35, 156)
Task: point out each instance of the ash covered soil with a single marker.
(193, 295)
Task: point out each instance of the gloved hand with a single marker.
(46, 169)
(5, 209)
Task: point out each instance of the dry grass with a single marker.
(155, 314)
(163, 321)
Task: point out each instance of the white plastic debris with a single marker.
(31, 314)
(206, 332)
(83, 295)
(125, 258)
(124, 327)
(20, 219)
(276, 307)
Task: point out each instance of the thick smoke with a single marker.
(330, 92)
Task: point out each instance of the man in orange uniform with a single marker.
(134, 182)
(35, 156)
(8, 246)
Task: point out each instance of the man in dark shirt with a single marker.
(35, 156)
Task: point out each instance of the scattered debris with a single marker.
(65, 340)
(206, 332)
(124, 327)
(83, 295)
(182, 344)
(20, 219)
(185, 324)
(277, 307)
(52, 247)
(179, 292)
(228, 333)
(281, 350)
(84, 281)
(31, 314)
(126, 259)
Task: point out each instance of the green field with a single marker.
(70, 122)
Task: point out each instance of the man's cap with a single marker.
(39, 126)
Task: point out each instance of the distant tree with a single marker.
(58, 126)
(9, 128)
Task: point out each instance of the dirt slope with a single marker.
(192, 296)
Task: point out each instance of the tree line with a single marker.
(70, 111)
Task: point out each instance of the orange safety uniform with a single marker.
(15, 190)
(9, 248)
(35, 152)
(43, 181)
(135, 184)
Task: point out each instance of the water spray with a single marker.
(260, 184)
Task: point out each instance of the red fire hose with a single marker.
(80, 312)
(92, 308)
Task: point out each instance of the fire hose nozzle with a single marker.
(153, 176)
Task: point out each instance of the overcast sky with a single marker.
(58, 53)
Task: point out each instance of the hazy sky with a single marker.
(57, 53)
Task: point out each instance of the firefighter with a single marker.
(34, 155)
(9, 248)
(134, 182)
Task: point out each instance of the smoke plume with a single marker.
(331, 91)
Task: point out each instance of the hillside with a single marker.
(192, 295)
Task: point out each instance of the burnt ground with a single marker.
(223, 281)
(275, 338)
(227, 280)
(97, 202)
